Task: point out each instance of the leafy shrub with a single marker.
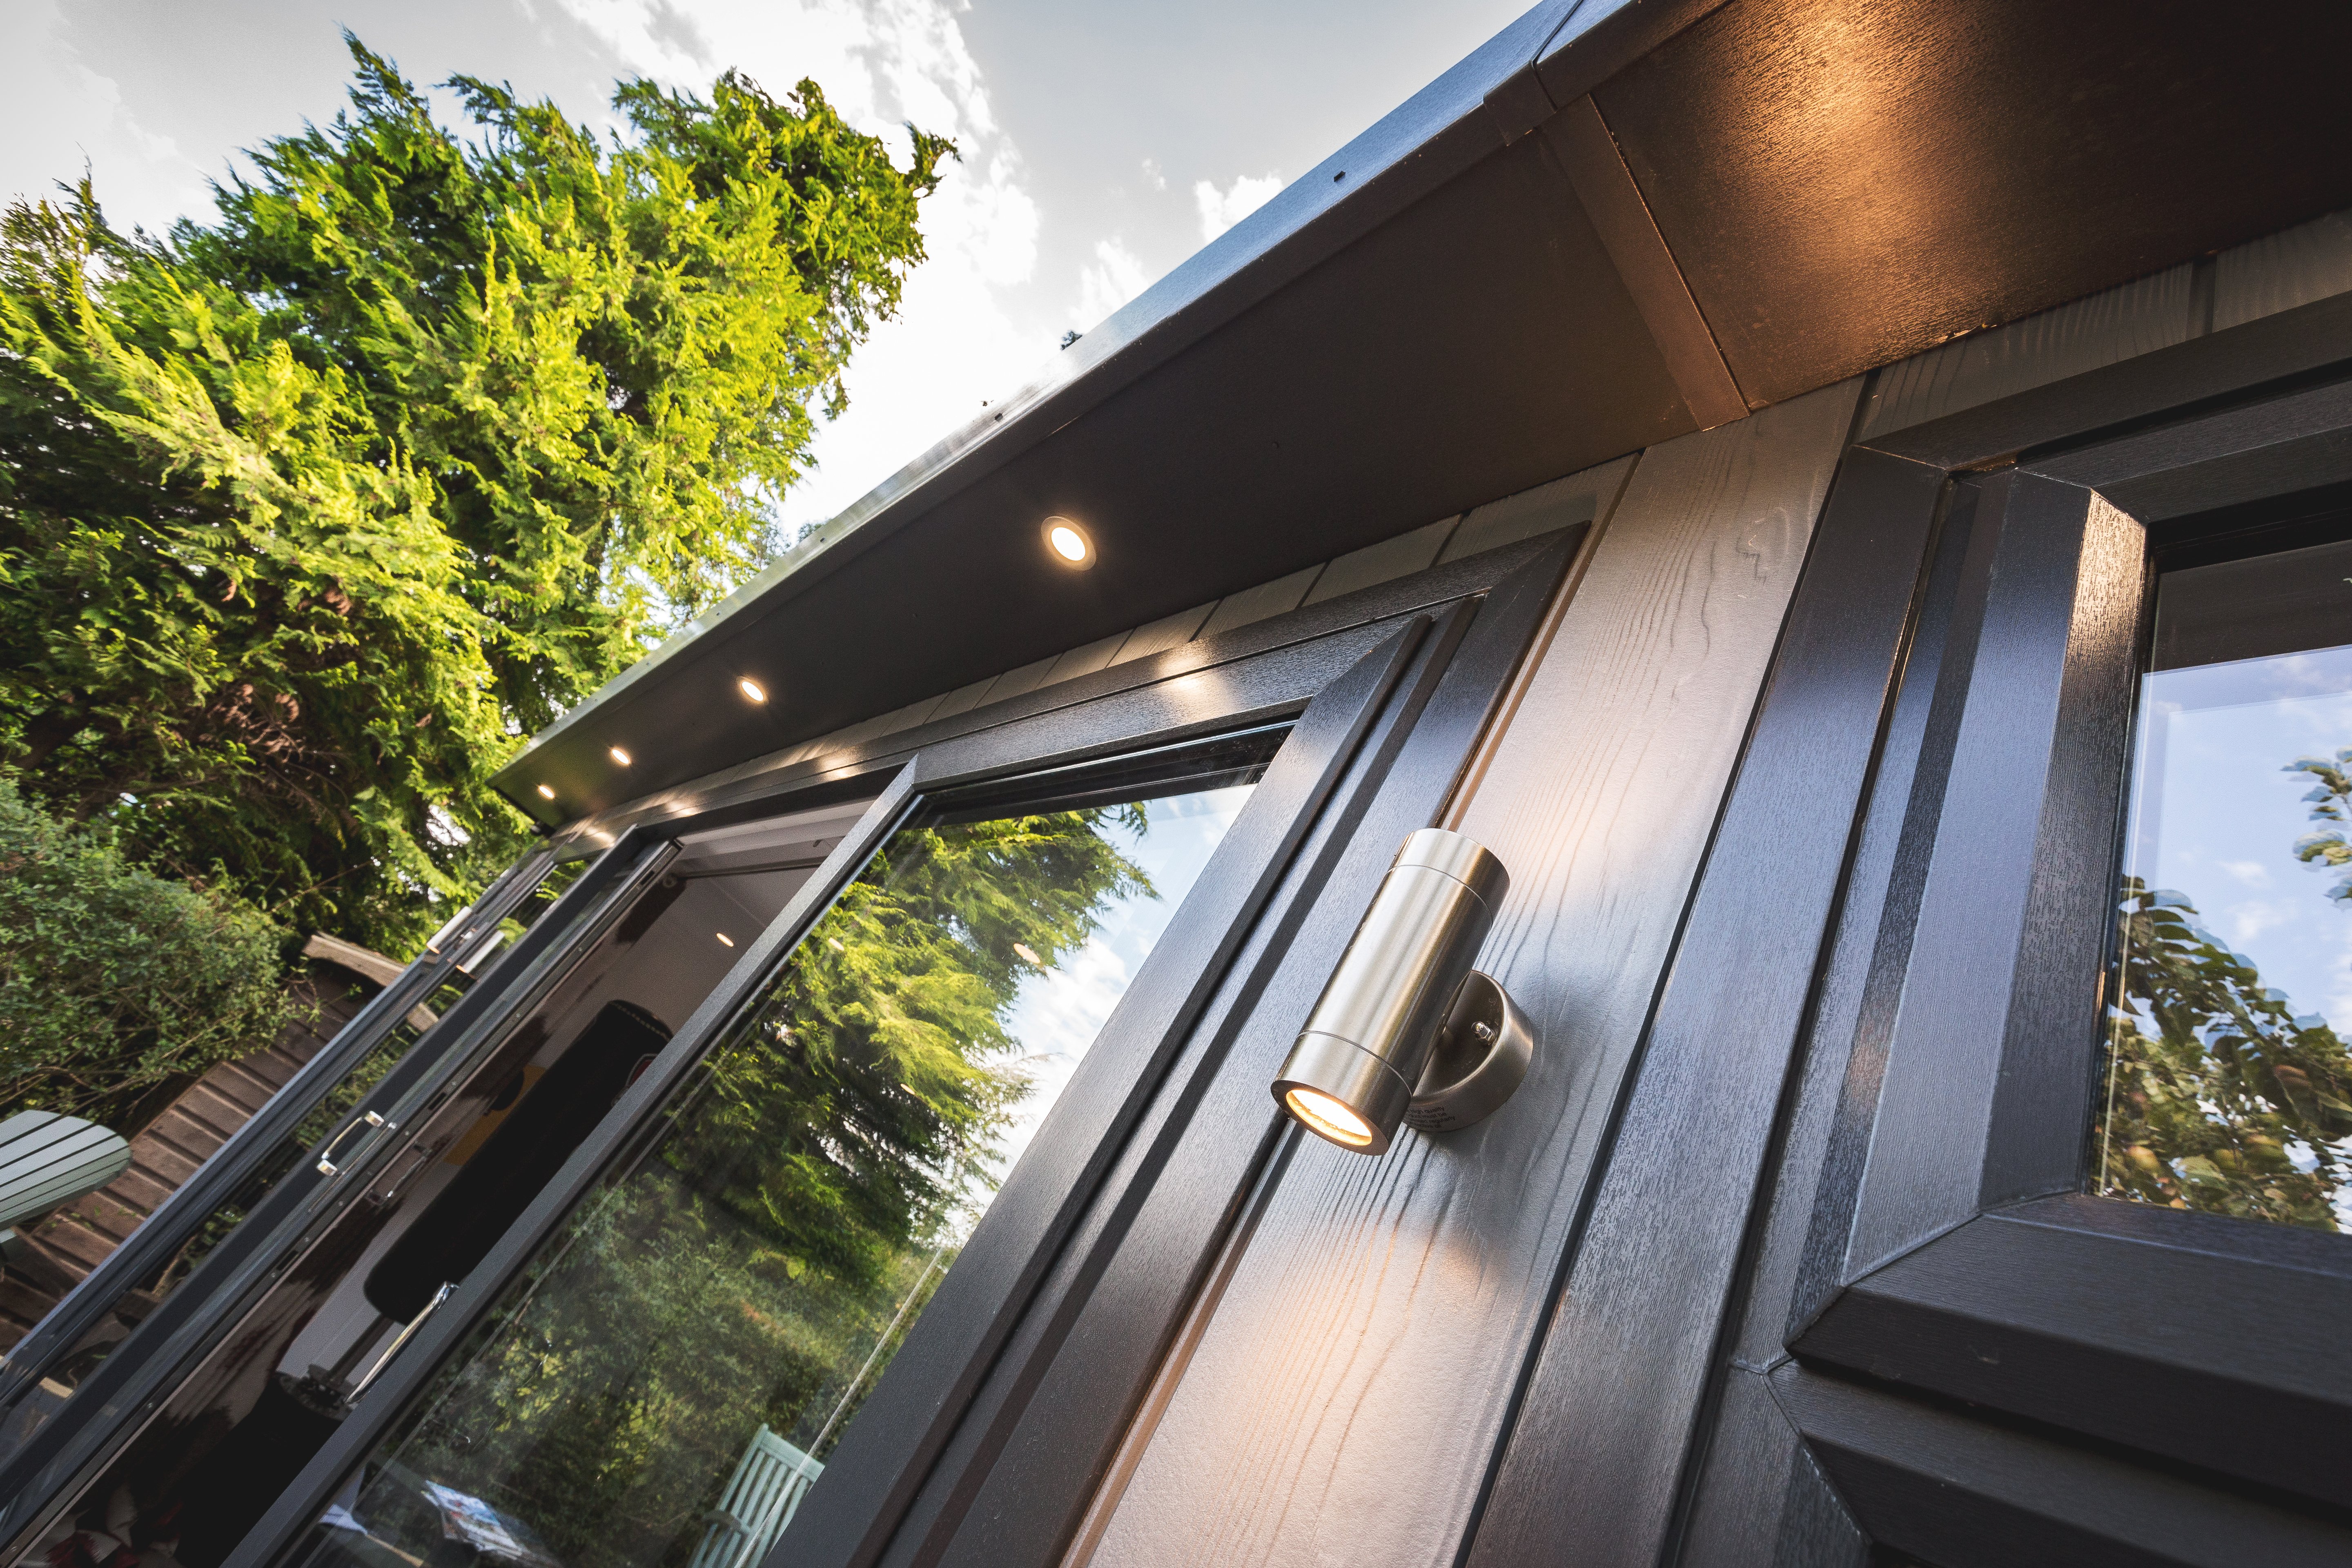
(116, 982)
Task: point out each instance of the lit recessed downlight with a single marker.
(1068, 543)
(619, 756)
(725, 939)
(751, 690)
(546, 792)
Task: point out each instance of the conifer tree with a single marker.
(308, 515)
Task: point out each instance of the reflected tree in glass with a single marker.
(2220, 1097)
(760, 1264)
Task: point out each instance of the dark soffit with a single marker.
(1427, 320)
(1848, 182)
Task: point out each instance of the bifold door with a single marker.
(769, 1216)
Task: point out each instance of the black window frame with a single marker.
(85, 1434)
(1881, 1314)
(1387, 691)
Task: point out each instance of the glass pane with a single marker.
(69, 1366)
(2229, 1087)
(671, 1374)
(477, 1131)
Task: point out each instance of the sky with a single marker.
(2218, 808)
(1101, 144)
(1057, 1016)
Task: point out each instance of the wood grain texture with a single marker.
(1343, 1403)
(1828, 1136)
(1625, 1366)
(2024, 1310)
(2280, 271)
(2051, 566)
(2114, 324)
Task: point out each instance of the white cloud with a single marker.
(1114, 276)
(2252, 873)
(1152, 173)
(882, 63)
(2248, 920)
(77, 117)
(1219, 210)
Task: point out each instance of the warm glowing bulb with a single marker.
(1068, 543)
(751, 690)
(1326, 1115)
(546, 792)
(726, 938)
(619, 756)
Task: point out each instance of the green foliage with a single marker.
(308, 513)
(2216, 1089)
(115, 983)
(879, 1071)
(810, 1192)
(2331, 804)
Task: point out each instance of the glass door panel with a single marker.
(383, 1238)
(49, 1370)
(666, 1380)
(2229, 1086)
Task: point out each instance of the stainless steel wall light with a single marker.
(1406, 1031)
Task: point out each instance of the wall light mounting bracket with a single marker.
(1406, 1033)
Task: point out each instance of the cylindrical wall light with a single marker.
(1405, 1031)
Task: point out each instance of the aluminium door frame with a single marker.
(1718, 1383)
(114, 1403)
(145, 1252)
(1338, 669)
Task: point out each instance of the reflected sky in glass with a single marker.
(2219, 813)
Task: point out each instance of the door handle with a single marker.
(326, 1166)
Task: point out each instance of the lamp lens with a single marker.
(1323, 1114)
(1068, 543)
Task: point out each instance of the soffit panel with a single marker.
(1477, 343)
(1845, 183)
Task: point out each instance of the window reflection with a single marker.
(2229, 1085)
(668, 1380)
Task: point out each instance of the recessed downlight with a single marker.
(751, 690)
(546, 791)
(1067, 542)
(619, 756)
(725, 939)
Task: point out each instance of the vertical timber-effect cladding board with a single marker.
(1347, 1391)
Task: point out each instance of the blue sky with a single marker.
(1057, 1016)
(1102, 143)
(2216, 816)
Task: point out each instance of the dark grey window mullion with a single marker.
(2126, 1330)
(133, 1381)
(300, 1503)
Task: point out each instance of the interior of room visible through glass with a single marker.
(2229, 1087)
(670, 1376)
